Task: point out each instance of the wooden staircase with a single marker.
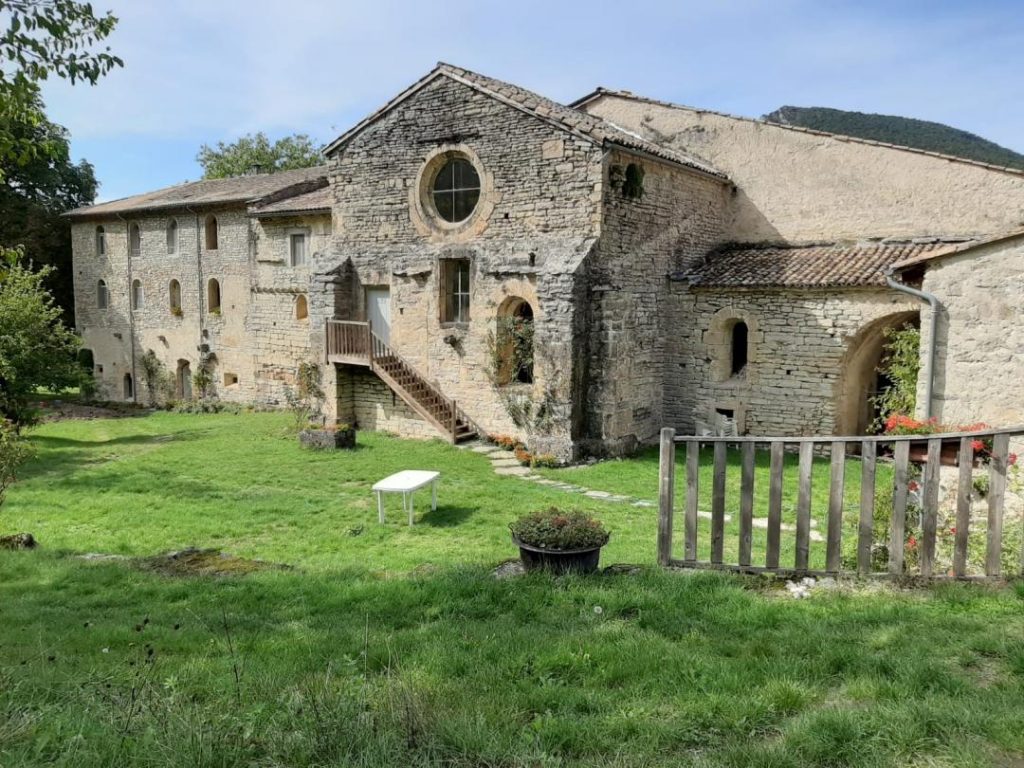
(355, 343)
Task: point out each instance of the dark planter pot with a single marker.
(949, 457)
(558, 561)
(328, 439)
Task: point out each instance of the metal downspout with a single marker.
(933, 303)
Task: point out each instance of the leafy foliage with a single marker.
(555, 529)
(254, 152)
(306, 400)
(14, 451)
(36, 349)
(44, 38)
(905, 131)
(901, 362)
(34, 194)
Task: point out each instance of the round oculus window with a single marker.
(456, 190)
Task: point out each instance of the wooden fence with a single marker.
(908, 455)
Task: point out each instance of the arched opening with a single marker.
(129, 387)
(183, 380)
(861, 379)
(172, 237)
(174, 297)
(301, 307)
(86, 359)
(102, 295)
(514, 342)
(101, 242)
(210, 227)
(213, 296)
(138, 295)
(134, 240)
(738, 348)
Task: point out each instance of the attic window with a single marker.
(455, 190)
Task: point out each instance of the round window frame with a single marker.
(425, 213)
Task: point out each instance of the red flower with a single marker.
(913, 485)
(977, 445)
(911, 543)
(952, 529)
(1011, 459)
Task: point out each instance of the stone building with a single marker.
(477, 258)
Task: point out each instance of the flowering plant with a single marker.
(557, 529)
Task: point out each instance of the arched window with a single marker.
(138, 297)
(739, 348)
(515, 342)
(101, 242)
(301, 307)
(211, 232)
(129, 387)
(134, 240)
(102, 295)
(213, 297)
(172, 237)
(86, 359)
(174, 291)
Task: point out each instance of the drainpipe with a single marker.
(933, 304)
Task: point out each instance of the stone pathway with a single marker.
(505, 463)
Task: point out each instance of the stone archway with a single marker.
(515, 342)
(859, 380)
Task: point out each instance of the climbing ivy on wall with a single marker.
(901, 361)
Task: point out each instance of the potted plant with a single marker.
(559, 541)
(328, 437)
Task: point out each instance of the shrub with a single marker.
(556, 529)
(545, 460)
(507, 442)
(14, 451)
(523, 456)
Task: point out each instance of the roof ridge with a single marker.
(602, 91)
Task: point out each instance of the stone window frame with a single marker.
(211, 232)
(134, 240)
(102, 294)
(173, 235)
(138, 295)
(307, 234)
(424, 216)
(100, 243)
(214, 290)
(174, 297)
(509, 308)
(718, 345)
(301, 308)
(444, 264)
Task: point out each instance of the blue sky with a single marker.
(212, 70)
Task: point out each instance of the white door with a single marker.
(378, 312)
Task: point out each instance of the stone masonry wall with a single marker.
(799, 344)
(798, 186)
(534, 226)
(675, 220)
(980, 339)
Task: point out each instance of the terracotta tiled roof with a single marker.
(819, 265)
(595, 129)
(240, 189)
(600, 91)
(955, 248)
(319, 200)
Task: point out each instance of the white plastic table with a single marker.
(406, 482)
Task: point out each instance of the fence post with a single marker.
(666, 493)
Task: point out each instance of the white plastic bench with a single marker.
(406, 482)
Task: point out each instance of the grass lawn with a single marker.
(391, 646)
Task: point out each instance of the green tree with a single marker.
(43, 38)
(36, 349)
(255, 153)
(34, 193)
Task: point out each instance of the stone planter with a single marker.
(328, 439)
(558, 560)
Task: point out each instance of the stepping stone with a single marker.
(815, 536)
(642, 503)
(546, 481)
(707, 516)
(619, 499)
(481, 448)
(514, 471)
(505, 463)
(499, 453)
(598, 494)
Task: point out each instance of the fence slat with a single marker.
(692, 499)
(746, 501)
(964, 486)
(996, 491)
(718, 503)
(666, 493)
(803, 507)
(866, 521)
(778, 456)
(899, 508)
(833, 560)
(930, 506)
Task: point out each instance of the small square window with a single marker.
(297, 249)
(230, 379)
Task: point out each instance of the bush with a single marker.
(507, 442)
(14, 451)
(555, 529)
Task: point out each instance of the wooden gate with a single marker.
(909, 465)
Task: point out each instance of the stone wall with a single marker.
(796, 185)
(800, 349)
(646, 234)
(980, 339)
(366, 402)
(533, 227)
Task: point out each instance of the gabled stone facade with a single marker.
(608, 230)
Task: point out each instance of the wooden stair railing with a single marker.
(350, 340)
